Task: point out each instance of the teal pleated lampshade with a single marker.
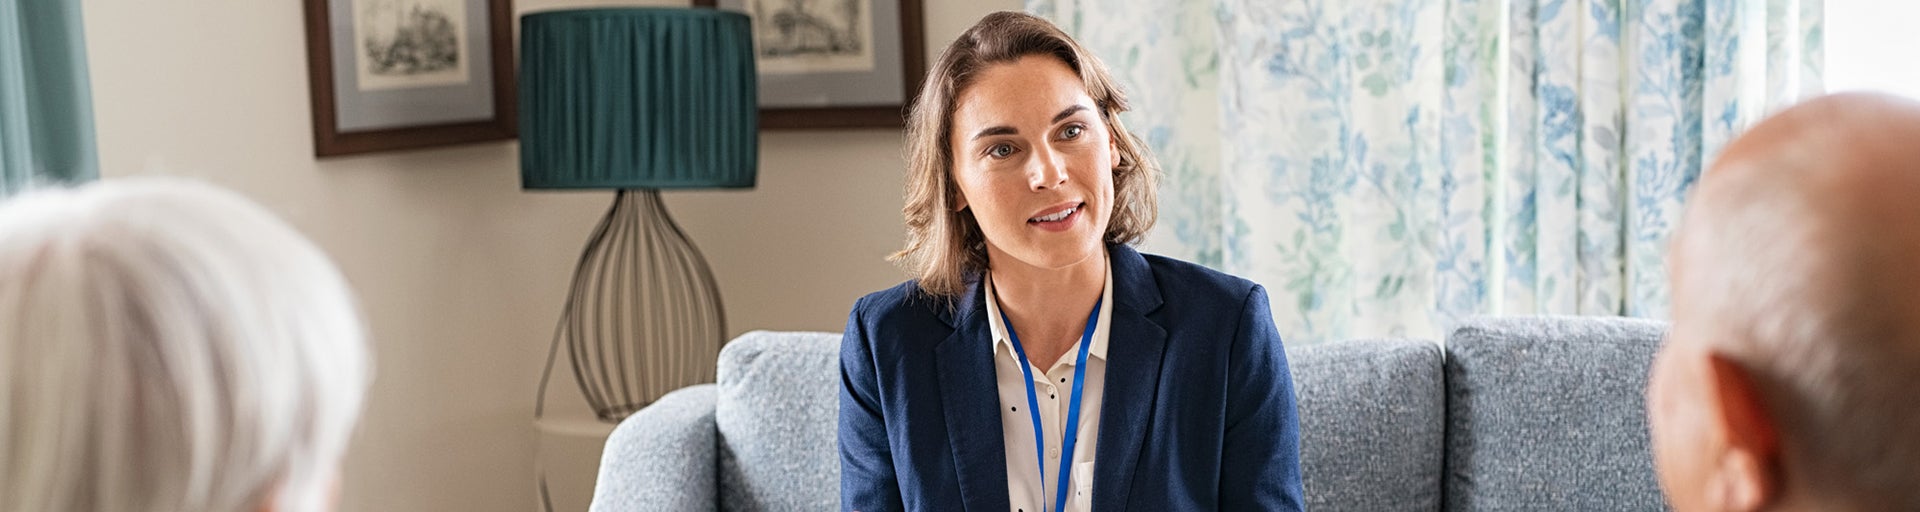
(637, 98)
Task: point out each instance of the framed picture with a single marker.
(834, 63)
(402, 74)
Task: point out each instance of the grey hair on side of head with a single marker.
(1832, 363)
(167, 345)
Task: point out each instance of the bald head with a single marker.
(1796, 272)
(1854, 157)
(1820, 203)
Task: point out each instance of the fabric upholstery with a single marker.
(661, 458)
(1371, 417)
(778, 412)
(1549, 414)
(1510, 414)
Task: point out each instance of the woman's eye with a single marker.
(1000, 151)
(1072, 132)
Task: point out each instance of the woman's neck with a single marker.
(1048, 308)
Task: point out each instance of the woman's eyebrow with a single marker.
(1068, 113)
(997, 130)
(1009, 130)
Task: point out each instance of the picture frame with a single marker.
(834, 64)
(389, 75)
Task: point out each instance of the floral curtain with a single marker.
(1391, 167)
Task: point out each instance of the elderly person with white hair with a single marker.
(170, 346)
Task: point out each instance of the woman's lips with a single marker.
(1058, 220)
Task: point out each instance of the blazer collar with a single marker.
(960, 310)
(1136, 346)
(1133, 282)
(1133, 285)
(964, 362)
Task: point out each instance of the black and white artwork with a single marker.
(813, 36)
(410, 43)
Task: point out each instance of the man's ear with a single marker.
(1747, 476)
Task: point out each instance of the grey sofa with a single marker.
(1508, 414)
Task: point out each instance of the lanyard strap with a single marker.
(1072, 430)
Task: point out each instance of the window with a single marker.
(1872, 44)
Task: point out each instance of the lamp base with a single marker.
(643, 316)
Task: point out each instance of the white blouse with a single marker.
(1052, 387)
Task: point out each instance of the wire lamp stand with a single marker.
(643, 315)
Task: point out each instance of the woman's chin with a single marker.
(1065, 254)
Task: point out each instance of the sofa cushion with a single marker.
(1549, 414)
(661, 457)
(1371, 416)
(778, 414)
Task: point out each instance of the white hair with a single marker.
(166, 345)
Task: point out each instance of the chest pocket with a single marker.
(1083, 486)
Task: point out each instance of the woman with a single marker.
(1037, 363)
(166, 346)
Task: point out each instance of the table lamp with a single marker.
(637, 100)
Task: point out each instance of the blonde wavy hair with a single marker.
(945, 248)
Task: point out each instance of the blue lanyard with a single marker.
(1072, 430)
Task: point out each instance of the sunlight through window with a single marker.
(1871, 44)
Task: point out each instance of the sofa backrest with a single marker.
(1371, 418)
(1534, 413)
(1549, 414)
(1370, 415)
(778, 412)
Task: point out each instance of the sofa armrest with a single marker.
(662, 457)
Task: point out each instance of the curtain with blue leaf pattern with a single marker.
(1391, 167)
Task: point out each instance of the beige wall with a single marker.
(460, 271)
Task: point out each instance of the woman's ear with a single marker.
(956, 198)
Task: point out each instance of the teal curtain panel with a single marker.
(46, 110)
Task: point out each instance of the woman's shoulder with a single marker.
(1205, 301)
(905, 316)
(1185, 279)
(906, 301)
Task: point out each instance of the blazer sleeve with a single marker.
(1260, 464)
(867, 479)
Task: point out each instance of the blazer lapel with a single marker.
(970, 398)
(1135, 346)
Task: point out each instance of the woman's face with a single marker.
(1034, 163)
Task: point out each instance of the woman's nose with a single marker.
(1047, 170)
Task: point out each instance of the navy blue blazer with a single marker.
(1198, 412)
